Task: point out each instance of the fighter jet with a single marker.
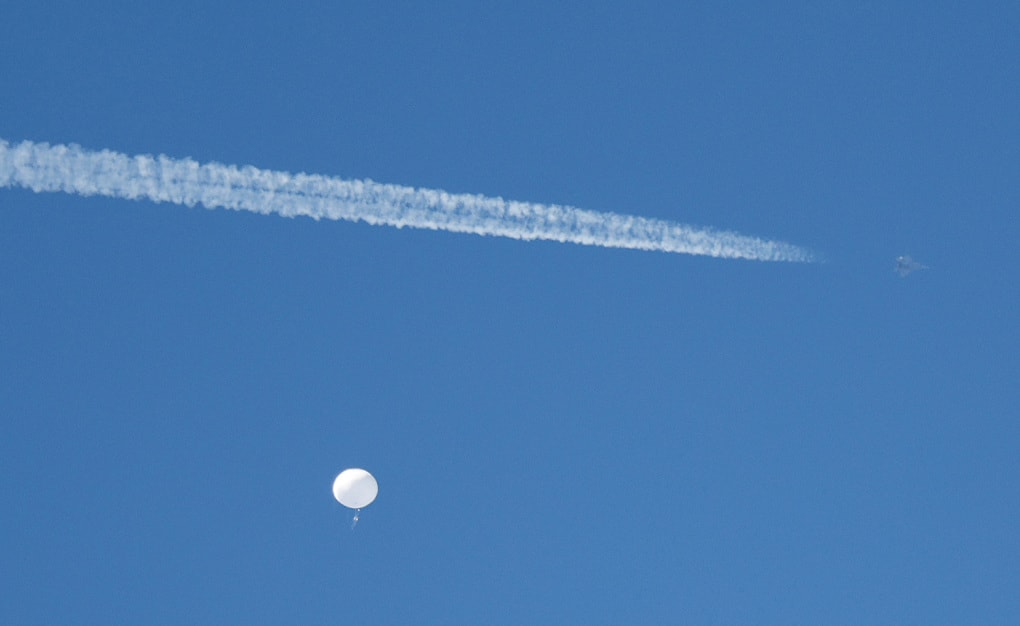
(905, 265)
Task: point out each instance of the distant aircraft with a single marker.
(905, 265)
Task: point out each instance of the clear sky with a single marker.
(561, 434)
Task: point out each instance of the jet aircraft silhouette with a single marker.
(905, 265)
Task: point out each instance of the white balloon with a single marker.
(355, 488)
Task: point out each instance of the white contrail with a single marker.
(72, 169)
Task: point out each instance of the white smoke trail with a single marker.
(71, 169)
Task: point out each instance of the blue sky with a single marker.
(561, 434)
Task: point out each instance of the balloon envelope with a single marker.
(355, 488)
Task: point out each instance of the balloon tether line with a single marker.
(354, 523)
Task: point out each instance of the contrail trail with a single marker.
(72, 169)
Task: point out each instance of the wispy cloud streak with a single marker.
(72, 169)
